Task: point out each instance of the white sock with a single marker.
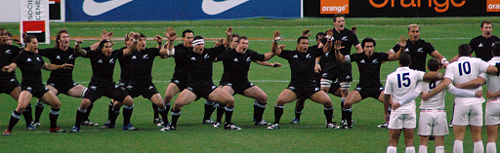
(439, 149)
(410, 149)
(458, 146)
(491, 147)
(422, 149)
(478, 147)
(392, 149)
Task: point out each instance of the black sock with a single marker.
(258, 111)
(87, 114)
(114, 115)
(28, 117)
(209, 109)
(38, 110)
(80, 117)
(14, 118)
(348, 116)
(164, 115)
(155, 110)
(298, 112)
(328, 114)
(220, 112)
(175, 117)
(127, 114)
(229, 114)
(54, 113)
(278, 111)
(344, 113)
(110, 110)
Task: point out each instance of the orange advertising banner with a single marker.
(334, 6)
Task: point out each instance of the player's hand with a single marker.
(479, 94)
(353, 29)
(229, 31)
(219, 42)
(276, 64)
(6, 68)
(106, 35)
(317, 68)
(395, 105)
(78, 41)
(158, 39)
(329, 33)
(276, 35)
(402, 41)
(281, 47)
(305, 33)
(171, 34)
(338, 45)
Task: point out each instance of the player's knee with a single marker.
(229, 101)
(85, 103)
(128, 101)
(262, 99)
(56, 104)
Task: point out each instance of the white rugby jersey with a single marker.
(400, 83)
(465, 70)
(434, 102)
(493, 80)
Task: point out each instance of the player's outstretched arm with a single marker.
(479, 81)
(440, 87)
(402, 44)
(168, 49)
(78, 48)
(266, 63)
(9, 68)
(53, 67)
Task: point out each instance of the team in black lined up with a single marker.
(315, 71)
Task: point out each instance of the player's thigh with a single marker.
(218, 95)
(321, 97)
(257, 93)
(286, 96)
(52, 89)
(76, 91)
(185, 97)
(51, 99)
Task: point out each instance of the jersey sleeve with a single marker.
(117, 53)
(396, 48)
(449, 73)
(256, 56)
(41, 61)
(18, 60)
(44, 52)
(383, 56)
(285, 54)
(419, 75)
(429, 48)
(223, 56)
(354, 39)
(388, 86)
(216, 51)
(154, 51)
(473, 44)
(89, 52)
(356, 57)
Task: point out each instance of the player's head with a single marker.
(62, 39)
(234, 41)
(404, 59)
(414, 32)
(6, 37)
(198, 44)
(339, 21)
(31, 43)
(464, 50)
(187, 38)
(242, 46)
(319, 37)
(106, 47)
(486, 28)
(368, 45)
(302, 44)
(141, 43)
(128, 38)
(433, 64)
(496, 49)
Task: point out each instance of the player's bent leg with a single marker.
(80, 115)
(299, 107)
(393, 140)
(51, 99)
(184, 98)
(162, 110)
(322, 98)
(352, 98)
(286, 96)
(23, 101)
(219, 95)
(259, 105)
(171, 91)
(77, 91)
(15, 93)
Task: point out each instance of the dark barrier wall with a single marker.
(129, 10)
(401, 8)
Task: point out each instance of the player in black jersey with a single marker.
(369, 63)
(31, 64)
(103, 60)
(8, 81)
(303, 83)
(61, 81)
(199, 61)
(482, 45)
(418, 49)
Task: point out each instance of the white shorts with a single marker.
(492, 112)
(326, 83)
(432, 122)
(468, 115)
(400, 121)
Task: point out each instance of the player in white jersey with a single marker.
(399, 84)
(468, 110)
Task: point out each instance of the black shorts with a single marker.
(8, 84)
(239, 88)
(181, 84)
(122, 84)
(329, 75)
(202, 91)
(344, 72)
(37, 90)
(304, 92)
(373, 92)
(334, 87)
(62, 85)
(146, 89)
(96, 91)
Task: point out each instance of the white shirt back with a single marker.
(400, 83)
(493, 80)
(434, 102)
(465, 70)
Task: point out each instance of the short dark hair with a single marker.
(404, 59)
(338, 16)
(464, 50)
(496, 48)
(485, 22)
(319, 34)
(28, 38)
(368, 40)
(186, 31)
(300, 38)
(197, 37)
(101, 44)
(242, 37)
(235, 35)
(141, 35)
(433, 64)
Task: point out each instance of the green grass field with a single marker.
(308, 136)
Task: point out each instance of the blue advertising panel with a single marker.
(133, 10)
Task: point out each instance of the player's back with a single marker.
(434, 102)
(493, 80)
(402, 82)
(463, 71)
